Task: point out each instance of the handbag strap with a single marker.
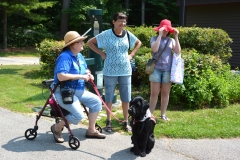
(163, 49)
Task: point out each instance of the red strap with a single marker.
(96, 90)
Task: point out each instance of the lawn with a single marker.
(21, 91)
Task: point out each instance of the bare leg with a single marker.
(92, 132)
(125, 106)
(165, 91)
(108, 122)
(109, 105)
(59, 126)
(57, 131)
(155, 90)
(92, 121)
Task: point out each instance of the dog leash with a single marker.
(96, 90)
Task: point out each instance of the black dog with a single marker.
(142, 123)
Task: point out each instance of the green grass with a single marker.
(21, 88)
(21, 91)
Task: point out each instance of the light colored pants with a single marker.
(85, 97)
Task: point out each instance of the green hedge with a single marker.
(204, 40)
(49, 50)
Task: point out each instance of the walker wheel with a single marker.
(30, 134)
(99, 128)
(73, 142)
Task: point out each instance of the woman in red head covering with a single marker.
(160, 78)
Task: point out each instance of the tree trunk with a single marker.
(64, 18)
(4, 30)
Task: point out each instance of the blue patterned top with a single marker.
(116, 48)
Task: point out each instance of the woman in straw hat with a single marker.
(160, 78)
(116, 43)
(72, 69)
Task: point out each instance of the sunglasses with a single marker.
(80, 42)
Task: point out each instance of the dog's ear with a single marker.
(145, 105)
(130, 103)
(134, 99)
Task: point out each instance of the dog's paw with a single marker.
(137, 153)
(132, 149)
(143, 154)
(148, 151)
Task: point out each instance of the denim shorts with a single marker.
(124, 83)
(160, 76)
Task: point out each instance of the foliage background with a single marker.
(46, 21)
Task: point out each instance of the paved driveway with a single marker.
(18, 60)
(116, 146)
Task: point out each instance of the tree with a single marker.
(23, 8)
(64, 18)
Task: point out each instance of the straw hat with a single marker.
(71, 37)
(167, 24)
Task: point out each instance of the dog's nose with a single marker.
(130, 111)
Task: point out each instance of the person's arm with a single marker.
(177, 47)
(155, 45)
(136, 47)
(68, 76)
(92, 43)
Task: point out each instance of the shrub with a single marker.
(29, 36)
(206, 41)
(49, 51)
(207, 83)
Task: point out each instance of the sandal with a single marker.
(127, 127)
(108, 127)
(165, 118)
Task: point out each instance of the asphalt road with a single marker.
(116, 146)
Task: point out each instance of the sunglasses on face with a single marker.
(80, 42)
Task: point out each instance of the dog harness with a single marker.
(147, 115)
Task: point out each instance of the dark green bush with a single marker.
(205, 83)
(206, 41)
(29, 36)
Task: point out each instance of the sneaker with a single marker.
(57, 135)
(96, 134)
(165, 118)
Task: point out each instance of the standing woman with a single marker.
(160, 78)
(117, 68)
(72, 69)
